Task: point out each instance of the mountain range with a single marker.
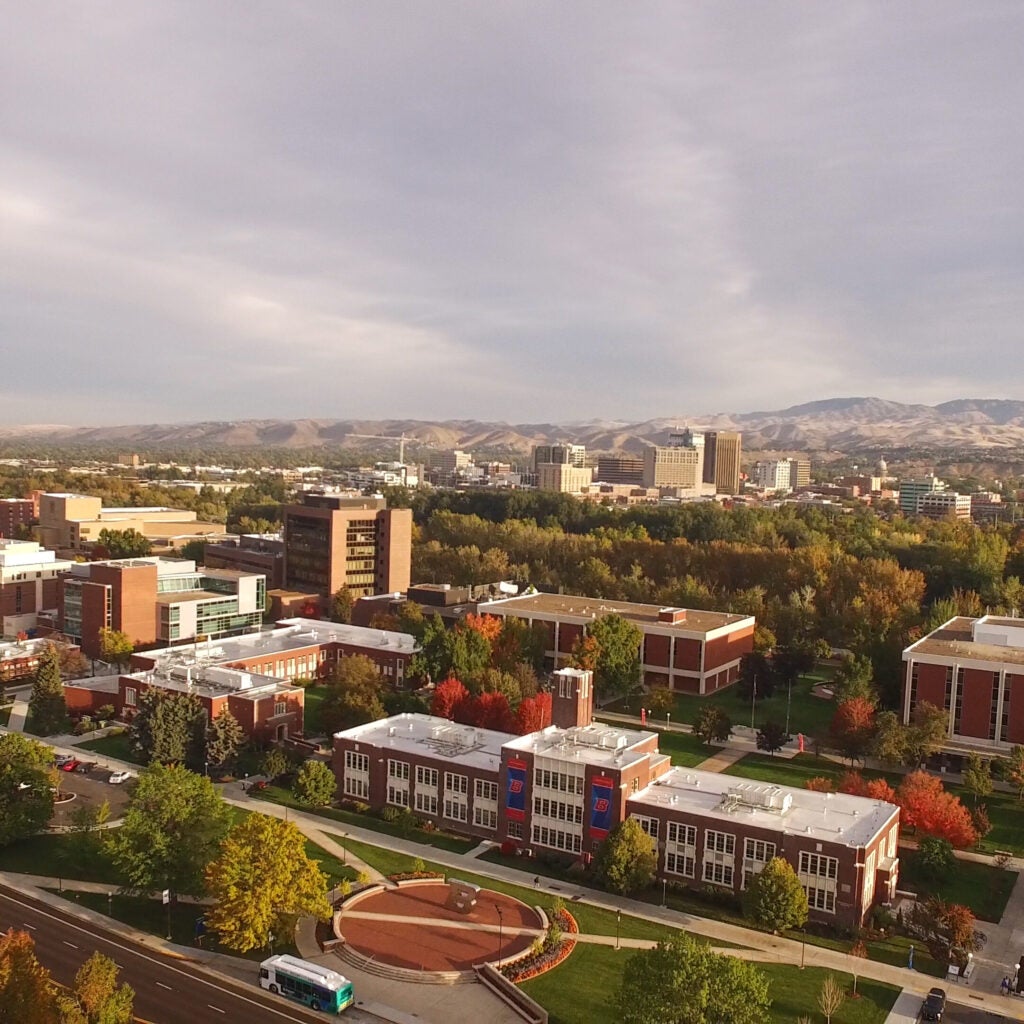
(836, 424)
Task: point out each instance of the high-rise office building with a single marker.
(620, 469)
(332, 542)
(673, 467)
(722, 453)
(560, 454)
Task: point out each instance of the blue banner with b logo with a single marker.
(601, 806)
(515, 797)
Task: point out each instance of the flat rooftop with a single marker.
(601, 745)
(428, 736)
(212, 681)
(827, 817)
(567, 606)
(955, 639)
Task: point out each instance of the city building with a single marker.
(73, 522)
(686, 650)
(563, 789)
(16, 515)
(156, 600)
(943, 504)
(973, 669)
(20, 659)
(446, 466)
(674, 466)
(332, 542)
(911, 492)
(29, 577)
(723, 451)
(451, 603)
(251, 552)
(799, 472)
(773, 475)
(620, 469)
(563, 453)
(563, 477)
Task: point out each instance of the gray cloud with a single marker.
(505, 210)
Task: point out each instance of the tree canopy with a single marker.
(170, 728)
(27, 776)
(775, 899)
(625, 862)
(47, 708)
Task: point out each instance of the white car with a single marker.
(117, 778)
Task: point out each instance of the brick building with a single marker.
(560, 791)
(974, 670)
(19, 661)
(332, 541)
(15, 514)
(689, 651)
(251, 552)
(29, 576)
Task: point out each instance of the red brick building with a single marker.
(29, 584)
(974, 670)
(682, 649)
(15, 514)
(563, 789)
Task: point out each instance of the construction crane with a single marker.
(388, 437)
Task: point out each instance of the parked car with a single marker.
(84, 767)
(69, 766)
(934, 1005)
(62, 759)
(116, 778)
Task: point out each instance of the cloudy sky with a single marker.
(232, 209)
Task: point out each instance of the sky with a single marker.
(517, 211)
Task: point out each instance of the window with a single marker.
(558, 809)
(280, 707)
(564, 783)
(456, 783)
(129, 696)
(455, 810)
(485, 818)
(719, 851)
(634, 785)
(398, 796)
(514, 830)
(557, 839)
(357, 786)
(649, 825)
(684, 835)
(869, 879)
(756, 853)
(426, 802)
(717, 873)
(821, 899)
(426, 776)
(680, 864)
(398, 770)
(817, 865)
(356, 762)
(484, 790)
(719, 842)
(357, 775)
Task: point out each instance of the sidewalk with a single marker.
(768, 948)
(19, 712)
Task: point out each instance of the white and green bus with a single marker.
(317, 987)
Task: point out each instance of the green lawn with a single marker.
(685, 749)
(807, 714)
(796, 771)
(116, 744)
(443, 841)
(5, 714)
(583, 990)
(982, 887)
(1006, 813)
(150, 916)
(311, 715)
(55, 856)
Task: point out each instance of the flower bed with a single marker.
(404, 876)
(552, 953)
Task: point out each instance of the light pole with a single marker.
(618, 921)
(789, 702)
(664, 888)
(668, 720)
(110, 904)
(753, 699)
(501, 921)
(344, 852)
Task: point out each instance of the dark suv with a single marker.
(934, 1005)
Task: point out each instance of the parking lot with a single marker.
(90, 791)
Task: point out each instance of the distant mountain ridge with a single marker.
(827, 424)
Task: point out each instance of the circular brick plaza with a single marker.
(411, 927)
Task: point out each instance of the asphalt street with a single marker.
(166, 991)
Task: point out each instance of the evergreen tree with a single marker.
(170, 728)
(47, 708)
(224, 738)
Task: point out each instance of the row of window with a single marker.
(557, 839)
(558, 809)
(560, 781)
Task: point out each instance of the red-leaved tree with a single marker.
(449, 697)
(853, 727)
(534, 713)
(819, 784)
(874, 789)
(491, 711)
(928, 808)
(488, 626)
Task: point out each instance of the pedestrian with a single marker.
(1004, 986)
(536, 882)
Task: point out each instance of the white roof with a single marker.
(827, 817)
(591, 744)
(429, 736)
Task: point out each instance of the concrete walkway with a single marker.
(767, 948)
(19, 712)
(720, 761)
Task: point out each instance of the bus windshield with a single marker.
(312, 984)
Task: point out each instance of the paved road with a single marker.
(166, 991)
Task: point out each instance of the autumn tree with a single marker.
(775, 899)
(852, 728)
(449, 696)
(926, 733)
(314, 784)
(680, 981)
(533, 714)
(27, 778)
(625, 862)
(342, 601)
(172, 827)
(47, 709)
(96, 997)
(830, 997)
(853, 678)
(584, 653)
(928, 808)
(1013, 769)
(712, 725)
(519, 642)
(116, 648)
(353, 695)
(977, 776)
(124, 543)
(617, 668)
(488, 711)
(660, 702)
(772, 736)
(946, 928)
(224, 738)
(261, 880)
(874, 789)
(488, 626)
(26, 989)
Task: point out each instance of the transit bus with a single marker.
(317, 987)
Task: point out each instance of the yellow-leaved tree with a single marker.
(261, 881)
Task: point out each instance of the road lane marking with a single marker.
(194, 977)
(162, 985)
(217, 1008)
(30, 927)
(71, 944)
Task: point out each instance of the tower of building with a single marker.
(572, 698)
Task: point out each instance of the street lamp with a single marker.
(344, 853)
(501, 921)
(664, 888)
(618, 921)
(110, 904)
(668, 720)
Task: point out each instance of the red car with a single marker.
(70, 766)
